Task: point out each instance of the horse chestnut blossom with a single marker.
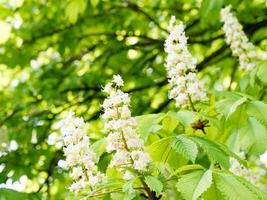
(121, 127)
(238, 41)
(79, 157)
(181, 68)
(240, 170)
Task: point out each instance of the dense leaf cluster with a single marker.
(63, 53)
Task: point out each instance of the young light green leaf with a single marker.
(231, 188)
(194, 184)
(74, 8)
(234, 106)
(185, 117)
(148, 123)
(253, 136)
(184, 146)
(154, 184)
(261, 73)
(186, 168)
(213, 150)
(258, 110)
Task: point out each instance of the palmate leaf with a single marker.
(210, 10)
(154, 184)
(258, 110)
(148, 124)
(194, 184)
(259, 193)
(214, 151)
(261, 73)
(162, 151)
(213, 193)
(231, 188)
(229, 105)
(185, 117)
(235, 105)
(186, 168)
(253, 136)
(184, 146)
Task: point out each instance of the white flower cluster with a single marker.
(121, 127)
(240, 170)
(238, 41)
(79, 157)
(181, 68)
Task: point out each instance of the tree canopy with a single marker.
(56, 56)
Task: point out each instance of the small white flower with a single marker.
(78, 154)
(77, 172)
(108, 88)
(121, 128)
(240, 170)
(118, 80)
(181, 68)
(238, 41)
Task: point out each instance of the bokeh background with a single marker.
(55, 56)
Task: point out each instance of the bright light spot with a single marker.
(19, 185)
(2, 167)
(17, 22)
(16, 3)
(218, 87)
(132, 40)
(34, 139)
(52, 139)
(149, 71)
(13, 146)
(5, 31)
(226, 82)
(59, 145)
(62, 164)
(132, 54)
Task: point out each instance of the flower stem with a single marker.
(191, 103)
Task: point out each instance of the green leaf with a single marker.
(94, 3)
(8, 194)
(194, 184)
(186, 168)
(253, 136)
(258, 110)
(184, 146)
(99, 147)
(214, 151)
(154, 184)
(74, 8)
(128, 189)
(147, 124)
(231, 188)
(262, 195)
(169, 124)
(235, 105)
(230, 104)
(210, 9)
(185, 117)
(163, 152)
(262, 71)
(213, 193)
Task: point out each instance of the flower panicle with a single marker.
(121, 128)
(80, 158)
(181, 68)
(238, 41)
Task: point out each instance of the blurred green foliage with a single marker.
(56, 55)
